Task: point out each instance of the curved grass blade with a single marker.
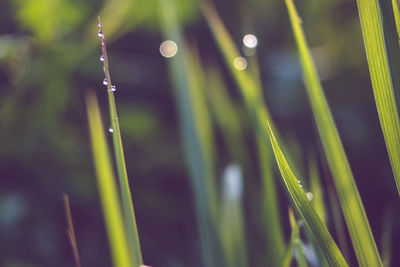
(127, 204)
(383, 54)
(107, 188)
(353, 209)
(252, 97)
(305, 209)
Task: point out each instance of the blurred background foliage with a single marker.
(49, 57)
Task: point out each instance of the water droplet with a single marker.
(240, 63)
(300, 183)
(102, 58)
(100, 33)
(168, 48)
(105, 81)
(113, 88)
(99, 25)
(250, 40)
(111, 130)
(309, 196)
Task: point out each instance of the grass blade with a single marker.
(383, 54)
(107, 188)
(252, 97)
(196, 134)
(232, 223)
(387, 236)
(316, 189)
(287, 259)
(226, 115)
(338, 223)
(353, 209)
(396, 12)
(305, 209)
(127, 204)
(71, 231)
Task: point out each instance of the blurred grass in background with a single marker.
(49, 58)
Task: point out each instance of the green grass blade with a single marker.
(338, 223)
(396, 12)
(305, 209)
(387, 236)
(252, 97)
(389, 13)
(107, 188)
(200, 166)
(316, 189)
(127, 204)
(318, 203)
(232, 220)
(353, 209)
(301, 258)
(382, 63)
(226, 115)
(287, 259)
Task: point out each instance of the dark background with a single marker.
(49, 58)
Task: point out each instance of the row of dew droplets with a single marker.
(113, 88)
(102, 58)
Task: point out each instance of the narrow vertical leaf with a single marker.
(232, 219)
(316, 189)
(353, 209)
(253, 99)
(107, 188)
(305, 209)
(383, 52)
(71, 231)
(127, 204)
(196, 133)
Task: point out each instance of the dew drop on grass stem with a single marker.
(105, 81)
(100, 33)
(101, 58)
(111, 130)
(309, 196)
(113, 88)
(300, 183)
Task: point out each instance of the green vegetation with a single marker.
(217, 134)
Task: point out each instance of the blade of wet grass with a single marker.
(127, 204)
(350, 201)
(107, 188)
(305, 209)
